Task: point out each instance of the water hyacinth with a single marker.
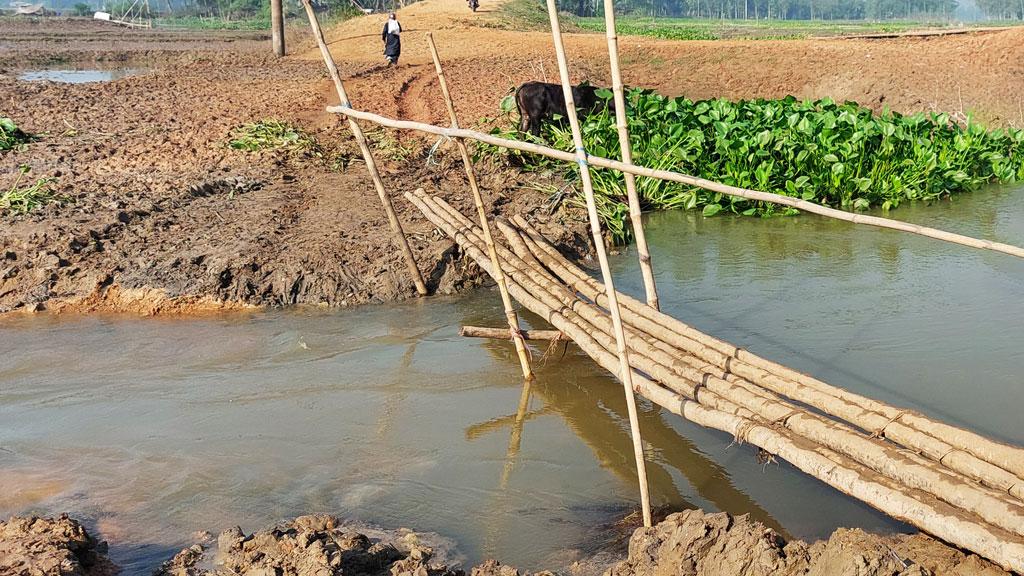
(839, 155)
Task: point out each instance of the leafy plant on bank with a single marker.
(271, 135)
(12, 137)
(839, 155)
(19, 199)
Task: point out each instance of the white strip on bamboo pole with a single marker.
(371, 165)
(639, 236)
(499, 277)
(625, 374)
(684, 179)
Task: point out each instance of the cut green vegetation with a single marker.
(12, 137)
(840, 155)
(21, 199)
(271, 135)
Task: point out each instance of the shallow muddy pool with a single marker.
(84, 76)
(153, 429)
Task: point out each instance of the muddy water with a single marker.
(153, 429)
(77, 76)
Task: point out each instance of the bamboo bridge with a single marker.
(957, 485)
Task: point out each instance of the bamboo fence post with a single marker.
(277, 27)
(639, 236)
(625, 374)
(686, 179)
(499, 276)
(371, 165)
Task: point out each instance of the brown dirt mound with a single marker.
(32, 546)
(693, 543)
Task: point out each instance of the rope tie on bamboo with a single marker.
(740, 436)
(560, 337)
(515, 333)
(431, 161)
(581, 156)
(880, 433)
(782, 420)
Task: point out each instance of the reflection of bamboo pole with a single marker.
(905, 503)
(625, 374)
(371, 165)
(627, 156)
(679, 178)
(515, 438)
(499, 277)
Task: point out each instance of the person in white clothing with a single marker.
(392, 42)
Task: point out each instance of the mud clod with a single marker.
(33, 546)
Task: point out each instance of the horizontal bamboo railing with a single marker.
(683, 179)
(913, 487)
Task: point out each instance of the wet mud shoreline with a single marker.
(687, 543)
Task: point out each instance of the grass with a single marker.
(271, 135)
(22, 199)
(12, 137)
(840, 155)
(528, 15)
(713, 29)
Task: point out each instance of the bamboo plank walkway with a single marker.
(954, 484)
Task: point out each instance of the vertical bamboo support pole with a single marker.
(595, 228)
(627, 156)
(371, 165)
(277, 27)
(499, 275)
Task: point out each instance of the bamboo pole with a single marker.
(982, 459)
(277, 27)
(499, 276)
(911, 505)
(625, 374)
(670, 176)
(502, 334)
(635, 217)
(371, 165)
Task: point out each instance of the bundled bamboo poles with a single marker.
(371, 164)
(995, 464)
(499, 277)
(625, 374)
(900, 483)
(691, 377)
(635, 217)
(803, 205)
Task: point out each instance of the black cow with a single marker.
(539, 101)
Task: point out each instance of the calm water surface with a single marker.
(152, 429)
(77, 76)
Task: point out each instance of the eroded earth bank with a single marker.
(686, 543)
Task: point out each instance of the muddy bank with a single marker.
(31, 546)
(690, 543)
(157, 214)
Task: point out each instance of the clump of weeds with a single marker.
(23, 198)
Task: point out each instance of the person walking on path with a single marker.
(392, 43)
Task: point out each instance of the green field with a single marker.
(705, 29)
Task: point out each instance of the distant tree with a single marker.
(82, 9)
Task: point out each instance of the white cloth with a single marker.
(394, 27)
